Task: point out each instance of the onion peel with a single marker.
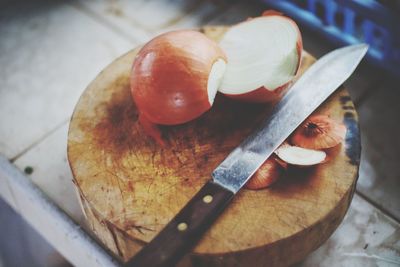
(265, 176)
(299, 156)
(175, 76)
(319, 132)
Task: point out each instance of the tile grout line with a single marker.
(220, 9)
(191, 9)
(150, 31)
(378, 206)
(39, 140)
(99, 19)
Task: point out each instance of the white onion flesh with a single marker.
(300, 156)
(215, 79)
(261, 52)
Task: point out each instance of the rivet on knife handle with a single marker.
(183, 231)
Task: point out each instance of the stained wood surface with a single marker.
(130, 187)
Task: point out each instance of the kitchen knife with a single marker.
(187, 227)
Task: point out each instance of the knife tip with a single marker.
(357, 51)
(363, 48)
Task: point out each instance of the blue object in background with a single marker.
(349, 22)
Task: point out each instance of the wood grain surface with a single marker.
(130, 187)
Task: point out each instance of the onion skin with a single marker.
(170, 74)
(265, 176)
(332, 152)
(319, 132)
(282, 163)
(267, 95)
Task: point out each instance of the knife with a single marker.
(187, 227)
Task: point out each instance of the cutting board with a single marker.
(130, 187)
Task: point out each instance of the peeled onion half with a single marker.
(175, 77)
(263, 57)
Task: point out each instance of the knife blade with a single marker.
(311, 89)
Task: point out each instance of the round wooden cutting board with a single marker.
(130, 187)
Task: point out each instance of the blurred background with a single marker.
(51, 50)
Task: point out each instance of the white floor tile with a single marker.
(49, 52)
(238, 13)
(365, 238)
(199, 17)
(138, 17)
(51, 172)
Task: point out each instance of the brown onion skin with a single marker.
(332, 152)
(330, 134)
(282, 163)
(170, 74)
(262, 94)
(265, 176)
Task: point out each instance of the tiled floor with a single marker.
(49, 52)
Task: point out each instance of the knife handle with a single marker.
(185, 229)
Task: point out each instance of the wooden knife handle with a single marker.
(185, 229)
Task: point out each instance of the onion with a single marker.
(175, 77)
(319, 132)
(282, 163)
(263, 57)
(265, 176)
(300, 156)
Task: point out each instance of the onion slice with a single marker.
(319, 132)
(300, 156)
(265, 176)
(263, 57)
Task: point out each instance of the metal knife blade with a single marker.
(313, 87)
(187, 227)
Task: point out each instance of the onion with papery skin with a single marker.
(175, 77)
(265, 176)
(282, 163)
(299, 156)
(264, 56)
(319, 132)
